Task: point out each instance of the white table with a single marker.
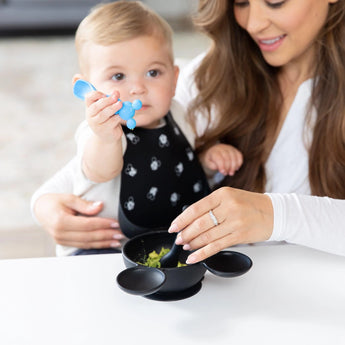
(291, 295)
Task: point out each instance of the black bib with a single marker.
(161, 176)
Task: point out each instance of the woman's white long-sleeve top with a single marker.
(317, 222)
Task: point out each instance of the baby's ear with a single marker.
(77, 77)
(176, 74)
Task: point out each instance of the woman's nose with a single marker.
(258, 18)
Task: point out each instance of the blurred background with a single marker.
(39, 114)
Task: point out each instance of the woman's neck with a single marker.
(290, 79)
(293, 74)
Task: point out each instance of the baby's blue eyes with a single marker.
(118, 76)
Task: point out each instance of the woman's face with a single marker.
(285, 31)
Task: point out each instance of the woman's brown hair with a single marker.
(235, 81)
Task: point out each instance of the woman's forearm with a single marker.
(316, 222)
(60, 182)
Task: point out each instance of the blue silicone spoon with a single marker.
(82, 87)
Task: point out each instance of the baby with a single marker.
(125, 51)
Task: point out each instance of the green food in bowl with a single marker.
(153, 259)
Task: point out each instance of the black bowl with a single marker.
(180, 282)
(178, 279)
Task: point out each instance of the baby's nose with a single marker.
(137, 88)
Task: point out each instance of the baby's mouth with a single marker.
(144, 107)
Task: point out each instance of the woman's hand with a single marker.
(66, 218)
(242, 217)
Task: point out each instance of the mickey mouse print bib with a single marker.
(161, 176)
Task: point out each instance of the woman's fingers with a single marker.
(201, 239)
(69, 209)
(193, 213)
(92, 245)
(199, 232)
(69, 226)
(88, 234)
(91, 232)
(101, 238)
(80, 223)
(78, 205)
(211, 248)
(237, 217)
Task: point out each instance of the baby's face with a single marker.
(140, 68)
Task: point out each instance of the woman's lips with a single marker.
(271, 44)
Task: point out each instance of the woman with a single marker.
(273, 85)
(279, 68)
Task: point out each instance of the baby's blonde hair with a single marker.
(119, 21)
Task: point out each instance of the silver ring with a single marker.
(213, 217)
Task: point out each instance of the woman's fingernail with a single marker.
(191, 259)
(173, 228)
(178, 239)
(115, 244)
(118, 237)
(186, 247)
(115, 225)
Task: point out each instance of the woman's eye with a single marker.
(273, 4)
(153, 73)
(241, 3)
(118, 76)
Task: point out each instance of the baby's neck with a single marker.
(159, 123)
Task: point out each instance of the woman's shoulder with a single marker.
(186, 89)
(178, 112)
(189, 66)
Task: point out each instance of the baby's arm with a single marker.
(102, 157)
(222, 157)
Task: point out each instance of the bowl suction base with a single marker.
(175, 296)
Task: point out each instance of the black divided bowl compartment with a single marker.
(178, 279)
(137, 281)
(228, 264)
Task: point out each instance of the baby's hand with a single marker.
(224, 158)
(100, 111)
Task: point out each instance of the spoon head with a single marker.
(228, 264)
(171, 258)
(141, 280)
(81, 88)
